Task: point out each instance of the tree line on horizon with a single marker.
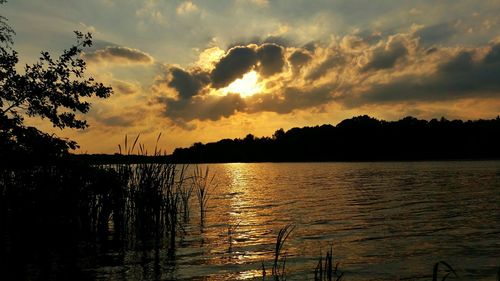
(360, 138)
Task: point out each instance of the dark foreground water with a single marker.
(385, 221)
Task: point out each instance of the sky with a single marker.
(200, 71)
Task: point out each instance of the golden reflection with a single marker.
(247, 219)
(248, 275)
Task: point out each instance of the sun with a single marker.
(246, 86)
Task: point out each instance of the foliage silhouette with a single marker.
(6, 32)
(361, 138)
(51, 89)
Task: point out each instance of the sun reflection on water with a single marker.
(374, 215)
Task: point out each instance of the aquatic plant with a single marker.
(448, 271)
(203, 184)
(325, 271)
(156, 194)
(279, 262)
(185, 191)
(278, 271)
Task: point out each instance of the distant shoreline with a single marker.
(358, 139)
(110, 159)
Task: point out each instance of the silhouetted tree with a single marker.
(6, 32)
(52, 89)
(249, 138)
(358, 139)
(278, 134)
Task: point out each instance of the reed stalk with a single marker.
(279, 264)
(203, 184)
(448, 271)
(325, 271)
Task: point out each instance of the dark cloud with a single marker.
(323, 68)
(203, 108)
(463, 62)
(267, 58)
(271, 59)
(186, 83)
(119, 54)
(384, 58)
(493, 55)
(298, 59)
(463, 75)
(237, 62)
(216, 107)
(292, 98)
(459, 77)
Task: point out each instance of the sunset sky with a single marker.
(212, 69)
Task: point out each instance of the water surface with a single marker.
(384, 220)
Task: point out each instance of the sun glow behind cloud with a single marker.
(246, 86)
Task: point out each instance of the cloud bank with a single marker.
(351, 71)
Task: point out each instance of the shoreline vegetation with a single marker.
(360, 138)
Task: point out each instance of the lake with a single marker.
(384, 221)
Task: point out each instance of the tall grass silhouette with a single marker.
(203, 184)
(156, 194)
(448, 271)
(326, 270)
(278, 270)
